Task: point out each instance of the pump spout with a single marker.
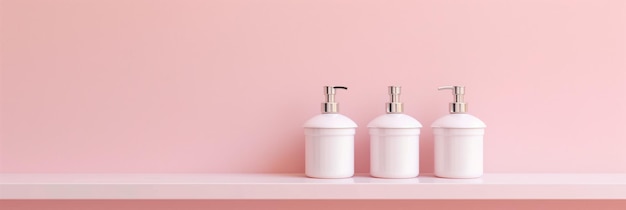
(458, 105)
(330, 106)
(395, 106)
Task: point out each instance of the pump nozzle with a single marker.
(459, 105)
(395, 106)
(330, 106)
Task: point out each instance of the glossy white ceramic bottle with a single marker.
(329, 146)
(458, 140)
(394, 141)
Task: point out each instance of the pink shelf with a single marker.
(296, 186)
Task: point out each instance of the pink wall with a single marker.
(313, 205)
(224, 86)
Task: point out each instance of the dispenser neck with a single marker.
(330, 106)
(395, 106)
(458, 106)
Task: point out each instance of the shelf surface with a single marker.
(297, 186)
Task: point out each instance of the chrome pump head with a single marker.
(459, 105)
(395, 106)
(330, 106)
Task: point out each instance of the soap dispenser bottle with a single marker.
(329, 146)
(394, 141)
(458, 140)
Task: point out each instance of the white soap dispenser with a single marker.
(394, 141)
(329, 140)
(458, 140)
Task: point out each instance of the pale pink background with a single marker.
(197, 86)
(314, 205)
